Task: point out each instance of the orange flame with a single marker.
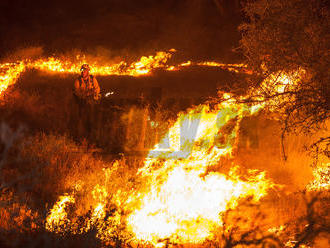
(321, 178)
(183, 203)
(57, 218)
(10, 72)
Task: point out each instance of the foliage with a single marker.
(249, 225)
(286, 45)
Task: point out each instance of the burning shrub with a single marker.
(42, 167)
(286, 43)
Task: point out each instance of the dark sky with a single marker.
(197, 28)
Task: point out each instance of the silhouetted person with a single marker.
(87, 95)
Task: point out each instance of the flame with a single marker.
(188, 206)
(10, 72)
(57, 219)
(180, 200)
(184, 202)
(141, 67)
(231, 67)
(321, 178)
(188, 63)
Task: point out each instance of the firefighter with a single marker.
(86, 86)
(87, 95)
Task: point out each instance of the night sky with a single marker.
(197, 28)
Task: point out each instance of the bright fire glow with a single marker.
(10, 72)
(184, 201)
(183, 198)
(58, 216)
(321, 178)
(181, 201)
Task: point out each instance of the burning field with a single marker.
(109, 137)
(206, 173)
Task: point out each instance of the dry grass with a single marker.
(56, 164)
(42, 167)
(54, 155)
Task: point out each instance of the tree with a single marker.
(286, 43)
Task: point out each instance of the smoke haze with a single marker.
(199, 29)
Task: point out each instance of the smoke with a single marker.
(8, 137)
(260, 148)
(19, 54)
(123, 27)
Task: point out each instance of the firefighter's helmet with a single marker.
(85, 67)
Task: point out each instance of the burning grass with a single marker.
(176, 182)
(65, 189)
(41, 168)
(89, 200)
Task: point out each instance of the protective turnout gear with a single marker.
(87, 87)
(86, 96)
(85, 67)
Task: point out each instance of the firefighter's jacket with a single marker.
(87, 89)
